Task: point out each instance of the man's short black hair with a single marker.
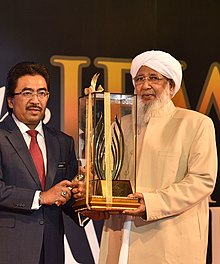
(22, 69)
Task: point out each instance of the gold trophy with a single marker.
(109, 124)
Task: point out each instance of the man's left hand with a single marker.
(79, 189)
(141, 210)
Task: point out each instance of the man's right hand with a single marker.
(59, 194)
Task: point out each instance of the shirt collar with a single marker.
(23, 128)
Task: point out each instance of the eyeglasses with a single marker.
(153, 79)
(30, 94)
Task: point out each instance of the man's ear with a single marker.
(10, 102)
(172, 85)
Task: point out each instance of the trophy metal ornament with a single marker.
(109, 125)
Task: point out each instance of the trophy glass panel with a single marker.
(112, 161)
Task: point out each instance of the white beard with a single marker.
(146, 110)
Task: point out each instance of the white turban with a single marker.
(161, 62)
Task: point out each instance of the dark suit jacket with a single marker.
(23, 231)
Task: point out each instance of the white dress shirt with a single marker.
(41, 142)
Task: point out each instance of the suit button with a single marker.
(41, 222)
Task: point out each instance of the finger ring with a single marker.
(63, 193)
(79, 177)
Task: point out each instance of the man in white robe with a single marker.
(176, 173)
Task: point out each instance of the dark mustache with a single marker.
(33, 107)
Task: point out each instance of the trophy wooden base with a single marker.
(98, 203)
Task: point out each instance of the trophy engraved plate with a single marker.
(108, 125)
(120, 188)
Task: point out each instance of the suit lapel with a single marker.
(19, 144)
(53, 154)
(17, 141)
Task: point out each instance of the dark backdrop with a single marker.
(38, 30)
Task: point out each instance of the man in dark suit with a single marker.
(31, 223)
